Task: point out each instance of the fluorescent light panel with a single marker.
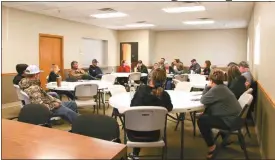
(184, 9)
(199, 22)
(139, 25)
(109, 15)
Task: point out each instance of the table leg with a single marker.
(182, 117)
(103, 100)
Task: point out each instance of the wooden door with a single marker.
(50, 52)
(129, 52)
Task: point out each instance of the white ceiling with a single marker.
(226, 14)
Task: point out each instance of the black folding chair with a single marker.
(97, 126)
(36, 114)
(235, 129)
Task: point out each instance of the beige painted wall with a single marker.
(264, 14)
(218, 46)
(140, 36)
(21, 38)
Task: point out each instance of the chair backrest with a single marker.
(145, 118)
(97, 126)
(37, 114)
(109, 78)
(245, 99)
(25, 96)
(115, 89)
(183, 86)
(249, 91)
(19, 95)
(135, 76)
(86, 90)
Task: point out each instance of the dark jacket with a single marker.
(206, 71)
(52, 77)
(237, 86)
(196, 68)
(143, 97)
(95, 71)
(171, 70)
(142, 69)
(17, 79)
(221, 102)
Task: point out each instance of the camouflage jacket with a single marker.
(36, 94)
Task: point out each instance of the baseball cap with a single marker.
(32, 69)
(193, 60)
(95, 61)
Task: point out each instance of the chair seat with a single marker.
(159, 143)
(81, 103)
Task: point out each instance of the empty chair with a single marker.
(97, 126)
(36, 114)
(249, 91)
(236, 128)
(183, 86)
(85, 93)
(108, 78)
(146, 118)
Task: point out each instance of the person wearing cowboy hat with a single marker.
(31, 86)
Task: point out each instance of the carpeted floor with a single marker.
(194, 147)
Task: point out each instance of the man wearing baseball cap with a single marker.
(94, 70)
(31, 85)
(195, 67)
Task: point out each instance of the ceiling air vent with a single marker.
(204, 18)
(107, 10)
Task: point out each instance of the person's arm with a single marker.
(35, 97)
(144, 69)
(197, 68)
(136, 101)
(209, 97)
(72, 74)
(167, 101)
(127, 69)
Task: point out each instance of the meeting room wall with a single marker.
(261, 35)
(218, 46)
(20, 42)
(140, 36)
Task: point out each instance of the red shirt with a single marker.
(123, 69)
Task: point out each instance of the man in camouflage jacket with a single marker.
(31, 85)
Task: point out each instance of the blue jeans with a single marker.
(67, 110)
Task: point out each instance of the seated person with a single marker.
(31, 86)
(221, 109)
(156, 66)
(168, 70)
(141, 67)
(206, 70)
(179, 68)
(152, 94)
(94, 70)
(236, 82)
(52, 78)
(244, 69)
(77, 73)
(124, 67)
(161, 63)
(195, 67)
(20, 68)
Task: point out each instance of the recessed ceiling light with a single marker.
(184, 9)
(109, 15)
(199, 22)
(140, 25)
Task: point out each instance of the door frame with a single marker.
(62, 50)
